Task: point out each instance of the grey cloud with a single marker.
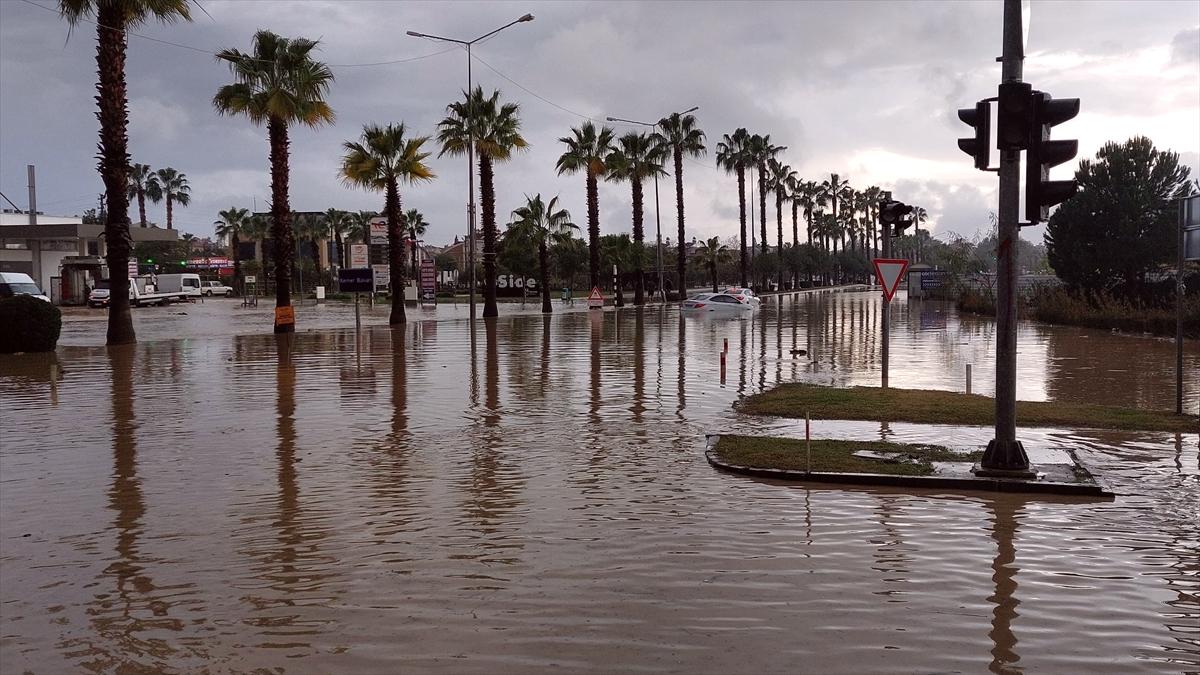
(1185, 47)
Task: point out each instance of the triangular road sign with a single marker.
(889, 272)
(595, 298)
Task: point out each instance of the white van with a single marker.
(15, 283)
(178, 283)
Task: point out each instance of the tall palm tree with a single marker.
(587, 149)
(172, 186)
(762, 149)
(257, 229)
(637, 158)
(230, 226)
(496, 131)
(919, 215)
(542, 222)
(710, 254)
(383, 160)
(143, 182)
(872, 195)
(733, 155)
(417, 225)
(810, 199)
(113, 21)
(312, 229)
(685, 139)
(336, 223)
(278, 83)
(359, 226)
(781, 176)
(835, 190)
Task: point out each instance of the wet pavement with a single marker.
(533, 496)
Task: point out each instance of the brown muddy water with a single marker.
(537, 499)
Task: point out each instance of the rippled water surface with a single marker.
(534, 497)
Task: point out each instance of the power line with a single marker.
(214, 54)
(542, 98)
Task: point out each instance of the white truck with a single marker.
(142, 292)
(178, 283)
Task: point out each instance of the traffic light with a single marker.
(896, 214)
(1040, 192)
(1014, 116)
(979, 117)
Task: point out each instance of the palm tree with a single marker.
(684, 138)
(311, 229)
(113, 21)
(781, 176)
(587, 149)
(359, 226)
(542, 222)
(761, 150)
(919, 215)
(617, 251)
(496, 132)
(257, 229)
(383, 160)
(336, 222)
(810, 199)
(835, 189)
(710, 254)
(872, 195)
(733, 155)
(230, 226)
(415, 220)
(172, 186)
(279, 84)
(143, 183)
(639, 157)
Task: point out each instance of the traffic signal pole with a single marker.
(885, 320)
(1005, 455)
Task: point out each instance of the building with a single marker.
(62, 253)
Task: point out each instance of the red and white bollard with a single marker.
(722, 367)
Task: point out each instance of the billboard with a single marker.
(379, 230)
(358, 255)
(355, 280)
(428, 277)
(383, 275)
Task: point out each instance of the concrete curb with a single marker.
(971, 484)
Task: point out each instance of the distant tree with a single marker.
(445, 262)
(143, 182)
(172, 186)
(569, 255)
(230, 226)
(90, 217)
(617, 251)
(1121, 224)
(336, 224)
(415, 221)
(542, 223)
(709, 254)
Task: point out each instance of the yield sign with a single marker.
(889, 272)
(595, 298)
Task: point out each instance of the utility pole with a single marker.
(1005, 456)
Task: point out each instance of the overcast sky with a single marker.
(865, 89)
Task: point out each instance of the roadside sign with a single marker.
(285, 316)
(428, 277)
(133, 267)
(383, 275)
(889, 272)
(595, 299)
(355, 280)
(250, 278)
(933, 279)
(359, 255)
(1190, 221)
(379, 230)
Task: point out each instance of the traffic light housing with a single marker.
(1014, 113)
(896, 214)
(1043, 153)
(979, 117)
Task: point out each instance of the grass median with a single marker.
(834, 456)
(947, 407)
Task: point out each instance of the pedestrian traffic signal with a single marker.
(979, 117)
(1040, 192)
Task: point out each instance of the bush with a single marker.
(1094, 310)
(30, 325)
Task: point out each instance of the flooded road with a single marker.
(533, 497)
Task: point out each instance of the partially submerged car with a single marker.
(718, 303)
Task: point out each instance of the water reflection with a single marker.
(1003, 518)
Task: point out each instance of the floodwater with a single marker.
(536, 499)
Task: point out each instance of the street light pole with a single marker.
(470, 243)
(662, 289)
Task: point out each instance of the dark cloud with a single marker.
(865, 89)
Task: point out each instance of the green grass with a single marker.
(834, 456)
(947, 407)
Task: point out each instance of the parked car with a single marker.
(719, 303)
(739, 292)
(99, 295)
(16, 283)
(211, 288)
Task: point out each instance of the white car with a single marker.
(15, 283)
(720, 303)
(211, 288)
(739, 292)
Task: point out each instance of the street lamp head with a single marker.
(527, 17)
(691, 109)
(610, 119)
(413, 33)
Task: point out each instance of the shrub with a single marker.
(30, 325)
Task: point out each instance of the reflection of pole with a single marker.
(1004, 573)
(1005, 453)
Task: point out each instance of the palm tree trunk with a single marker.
(544, 269)
(112, 100)
(412, 236)
(795, 225)
(681, 260)
(638, 236)
(745, 266)
(593, 207)
(779, 234)
(169, 220)
(487, 197)
(235, 242)
(141, 194)
(762, 211)
(281, 218)
(712, 267)
(395, 251)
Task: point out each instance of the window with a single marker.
(724, 298)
